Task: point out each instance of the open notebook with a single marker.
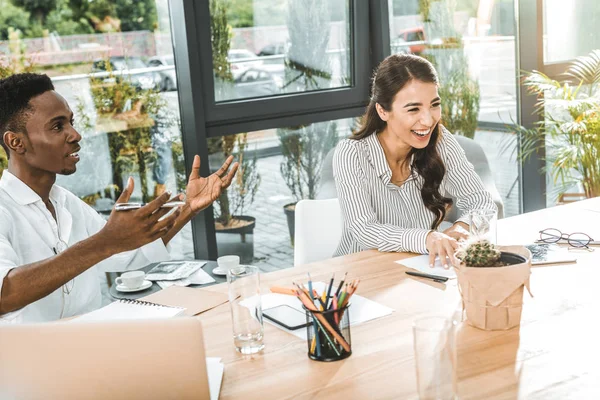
(131, 309)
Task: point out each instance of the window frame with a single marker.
(286, 109)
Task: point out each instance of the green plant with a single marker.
(570, 125)
(304, 149)
(479, 253)
(460, 110)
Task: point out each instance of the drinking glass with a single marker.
(435, 358)
(246, 308)
(483, 223)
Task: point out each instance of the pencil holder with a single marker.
(328, 334)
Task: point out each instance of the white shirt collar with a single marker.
(23, 194)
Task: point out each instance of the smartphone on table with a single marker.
(135, 206)
(286, 316)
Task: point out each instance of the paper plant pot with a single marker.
(493, 297)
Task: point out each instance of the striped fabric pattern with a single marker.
(381, 215)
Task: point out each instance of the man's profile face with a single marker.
(52, 143)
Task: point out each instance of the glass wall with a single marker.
(472, 45)
(570, 29)
(113, 63)
(278, 47)
(254, 218)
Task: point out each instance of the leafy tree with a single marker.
(137, 15)
(240, 13)
(12, 16)
(37, 8)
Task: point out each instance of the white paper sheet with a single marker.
(361, 309)
(215, 369)
(200, 277)
(421, 264)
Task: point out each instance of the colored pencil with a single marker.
(323, 322)
(329, 291)
(316, 340)
(337, 292)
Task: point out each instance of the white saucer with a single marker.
(125, 289)
(218, 271)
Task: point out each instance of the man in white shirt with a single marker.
(52, 244)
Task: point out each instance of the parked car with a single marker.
(273, 49)
(168, 77)
(256, 82)
(242, 59)
(142, 80)
(416, 36)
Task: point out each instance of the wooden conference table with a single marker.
(554, 354)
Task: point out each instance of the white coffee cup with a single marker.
(132, 279)
(225, 263)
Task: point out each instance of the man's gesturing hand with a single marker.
(201, 192)
(129, 230)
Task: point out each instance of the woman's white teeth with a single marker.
(421, 133)
(74, 155)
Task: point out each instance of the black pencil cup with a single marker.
(328, 334)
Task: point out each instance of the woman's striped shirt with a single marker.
(381, 215)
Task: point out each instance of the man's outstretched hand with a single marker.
(201, 192)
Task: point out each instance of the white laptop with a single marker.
(136, 359)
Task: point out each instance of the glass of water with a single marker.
(246, 308)
(483, 223)
(435, 358)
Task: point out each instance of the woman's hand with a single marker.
(442, 246)
(458, 231)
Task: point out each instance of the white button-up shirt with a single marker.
(29, 233)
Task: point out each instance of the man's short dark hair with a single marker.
(15, 93)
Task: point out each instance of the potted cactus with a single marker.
(491, 280)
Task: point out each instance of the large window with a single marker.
(113, 62)
(472, 45)
(279, 47)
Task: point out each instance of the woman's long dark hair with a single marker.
(391, 76)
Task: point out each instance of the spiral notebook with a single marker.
(131, 309)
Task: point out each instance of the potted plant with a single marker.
(570, 125)
(230, 206)
(304, 149)
(491, 281)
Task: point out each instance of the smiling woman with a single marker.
(395, 173)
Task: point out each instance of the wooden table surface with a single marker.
(553, 354)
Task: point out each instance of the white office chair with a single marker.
(318, 230)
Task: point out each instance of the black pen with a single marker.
(436, 278)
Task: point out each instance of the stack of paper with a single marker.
(179, 273)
